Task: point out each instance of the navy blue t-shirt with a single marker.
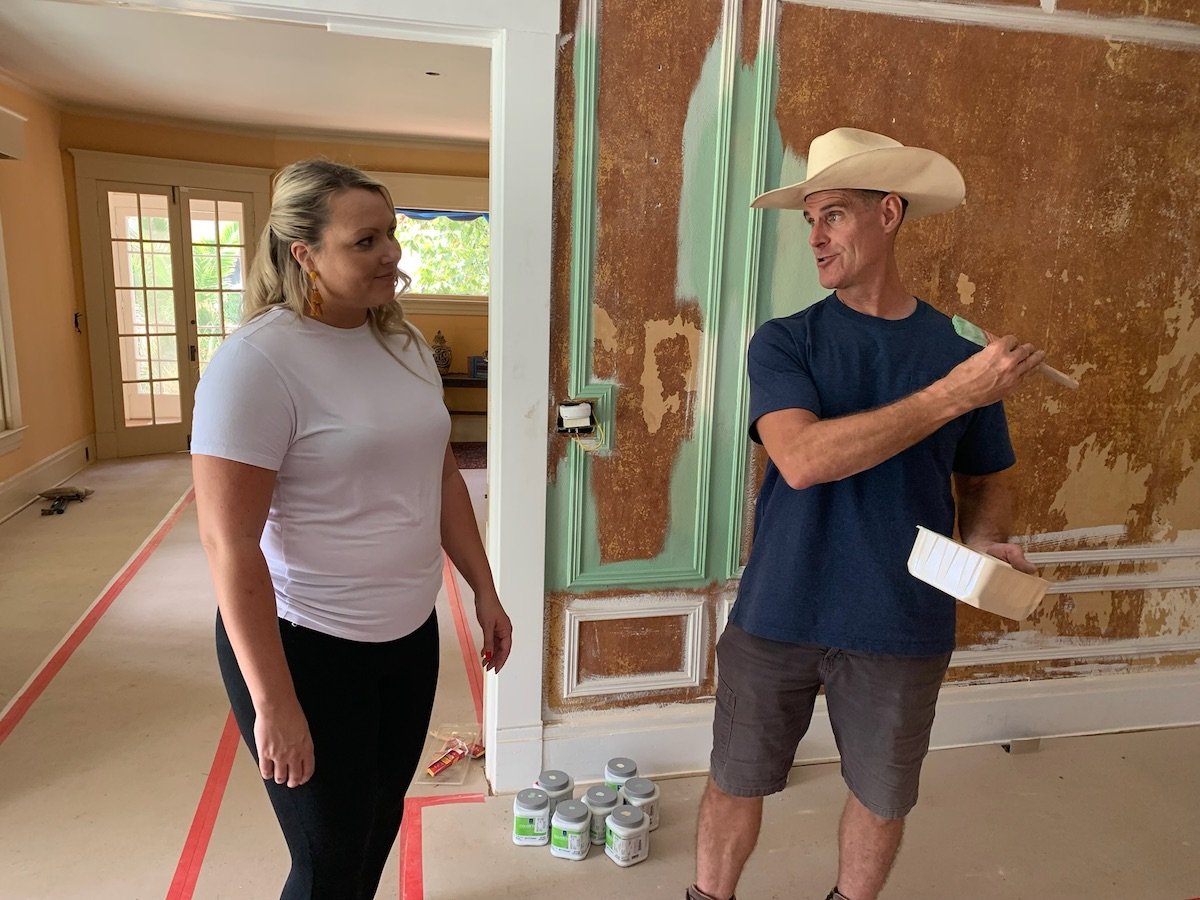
(828, 564)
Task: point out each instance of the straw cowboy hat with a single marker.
(850, 158)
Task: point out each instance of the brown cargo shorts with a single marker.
(881, 709)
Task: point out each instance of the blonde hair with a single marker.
(300, 198)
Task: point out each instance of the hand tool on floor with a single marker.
(977, 335)
(59, 497)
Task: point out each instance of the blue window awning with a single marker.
(453, 215)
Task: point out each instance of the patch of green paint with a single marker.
(705, 493)
(790, 281)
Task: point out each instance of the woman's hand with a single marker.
(285, 747)
(497, 631)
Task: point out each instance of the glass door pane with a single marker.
(145, 300)
(217, 229)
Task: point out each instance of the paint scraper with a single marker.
(977, 335)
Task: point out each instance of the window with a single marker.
(446, 254)
(10, 407)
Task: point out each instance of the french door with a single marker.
(175, 264)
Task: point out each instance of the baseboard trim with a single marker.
(670, 741)
(21, 489)
(514, 758)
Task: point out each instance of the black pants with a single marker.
(368, 708)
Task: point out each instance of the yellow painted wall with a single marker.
(183, 140)
(39, 214)
(52, 358)
(467, 336)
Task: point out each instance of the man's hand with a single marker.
(994, 372)
(1010, 553)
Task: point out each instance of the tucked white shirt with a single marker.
(353, 537)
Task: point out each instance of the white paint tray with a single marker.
(983, 581)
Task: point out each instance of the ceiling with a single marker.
(252, 74)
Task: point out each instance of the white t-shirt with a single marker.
(353, 538)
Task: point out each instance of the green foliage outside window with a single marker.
(217, 279)
(445, 257)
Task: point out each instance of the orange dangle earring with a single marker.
(314, 297)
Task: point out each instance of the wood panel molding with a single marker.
(640, 607)
(764, 96)
(1075, 649)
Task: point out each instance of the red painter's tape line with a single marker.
(465, 641)
(412, 873)
(51, 667)
(196, 845)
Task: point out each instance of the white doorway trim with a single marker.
(522, 36)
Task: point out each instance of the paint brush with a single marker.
(977, 335)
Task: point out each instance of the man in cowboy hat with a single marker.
(870, 407)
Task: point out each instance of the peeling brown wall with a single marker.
(1068, 667)
(650, 60)
(630, 647)
(564, 183)
(1079, 234)
(751, 26)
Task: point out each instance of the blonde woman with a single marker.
(326, 491)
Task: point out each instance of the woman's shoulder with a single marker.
(256, 342)
(267, 325)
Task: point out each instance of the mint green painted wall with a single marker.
(740, 267)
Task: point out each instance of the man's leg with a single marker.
(881, 709)
(725, 837)
(764, 703)
(867, 846)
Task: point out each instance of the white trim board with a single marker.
(1014, 649)
(22, 489)
(1134, 29)
(677, 740)
(464, 21)
(12, 134)
(11, 422)
(1129, 553)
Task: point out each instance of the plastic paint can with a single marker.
(601, 800)
(531, 818)
(627, 836)
(618, 770)
(557, 785)
(642, 793)
(570, 830)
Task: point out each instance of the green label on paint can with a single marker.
(527, 826)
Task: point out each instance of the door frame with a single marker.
(523, 38)
(93, 167)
